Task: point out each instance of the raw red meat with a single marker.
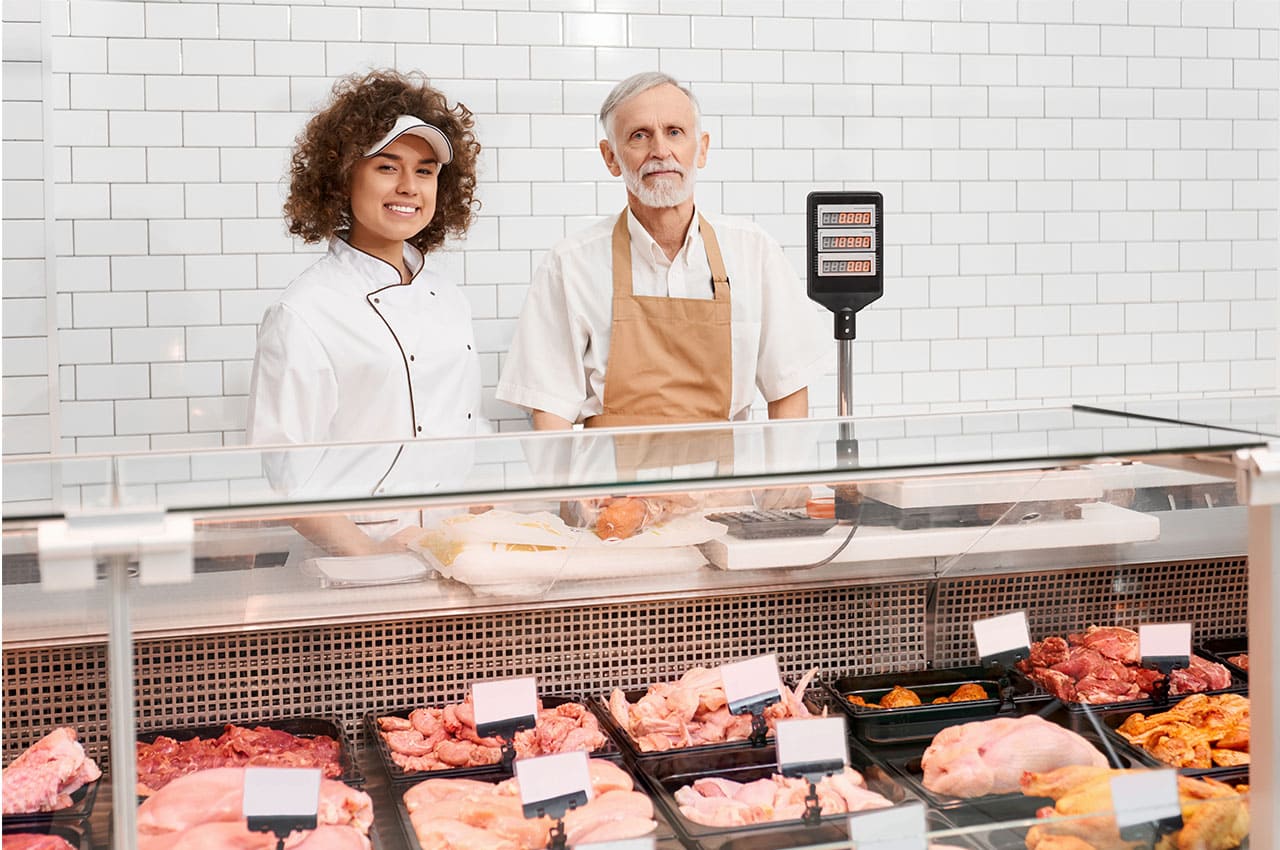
(1100, 666)
(44, 777)
(165, 759)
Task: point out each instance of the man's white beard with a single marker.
(661, 191)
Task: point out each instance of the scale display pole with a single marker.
(845, 234)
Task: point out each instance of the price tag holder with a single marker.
(644, 842)
(505, 706)
(1146, 799)
(902, 827)
(1165, 646)
(552, 785)
(812, 748)
(1002, 640)
(281, 799)
(752, 685)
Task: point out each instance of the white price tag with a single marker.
(1002, 638)
(281, 799)
(812, 748)
(750, 683)
(902, 827)
(1149, 796)
(504, 706)
(551, 785)
(1165, 642)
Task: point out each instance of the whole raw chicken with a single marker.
(990, 756)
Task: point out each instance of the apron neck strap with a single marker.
(622, 256)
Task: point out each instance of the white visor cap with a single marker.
(417, 127)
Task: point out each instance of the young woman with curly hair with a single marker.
(367, 344)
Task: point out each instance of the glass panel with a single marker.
(694, 456)
(1251, 414)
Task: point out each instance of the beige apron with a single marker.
(670, 362)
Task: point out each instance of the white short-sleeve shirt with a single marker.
(560, 351)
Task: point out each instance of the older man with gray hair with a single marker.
(660, 314)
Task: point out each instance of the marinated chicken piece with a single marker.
(621, 518)
(1200, 731)
(899, 697)
(1214, 817)
(1241, 661)
(965, 693)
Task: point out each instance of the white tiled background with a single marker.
(1081, 196)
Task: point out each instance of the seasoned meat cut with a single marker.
(165, 759)
(1100, 666)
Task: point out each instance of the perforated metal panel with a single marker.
(1058, 603)
(345, 671)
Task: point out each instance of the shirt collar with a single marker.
(651, 248)
(375, 272)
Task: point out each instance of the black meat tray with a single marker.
(664, 836)
(78, 835)
(1220, 649)
(1238, 685)
(398, 775)
(665, 776)
(922, 722)
(904, 760)
(1111, 721)
(302, 727)
(617, 733)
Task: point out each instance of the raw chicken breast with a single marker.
(990, 756)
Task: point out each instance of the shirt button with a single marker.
(411, 357)
(468, 415)
(468, 346)
(433, 293)
(419, 429)
(376, 301)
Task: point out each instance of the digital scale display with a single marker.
(837, 217)
(838, 241)
(848, 266)
(845, 234)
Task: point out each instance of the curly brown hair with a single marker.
(361, 111)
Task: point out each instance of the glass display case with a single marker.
(351, 586)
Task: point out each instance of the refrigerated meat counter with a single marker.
(159, 593)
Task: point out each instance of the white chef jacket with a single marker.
(349, 353)
(561, 347)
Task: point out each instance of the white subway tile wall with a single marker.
(1081, 197)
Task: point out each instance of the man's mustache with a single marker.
(663, 165)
